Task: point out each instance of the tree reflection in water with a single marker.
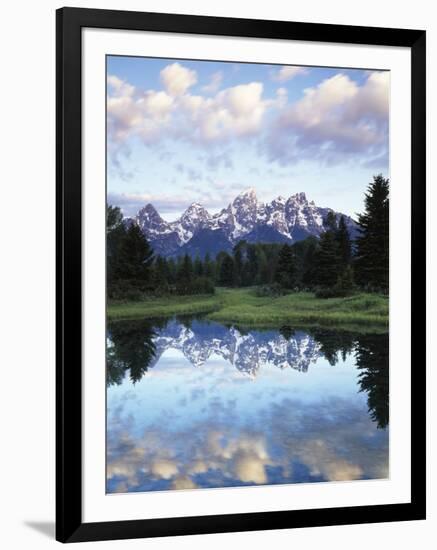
(135, 346)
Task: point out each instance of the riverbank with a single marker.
(243, 307)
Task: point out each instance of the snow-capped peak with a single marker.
(281, 220)
(280, 199)
(298, 197)
(250, 191)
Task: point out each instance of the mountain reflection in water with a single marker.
(194, 404)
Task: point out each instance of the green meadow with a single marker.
(244, 307)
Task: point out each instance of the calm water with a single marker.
(197, 404)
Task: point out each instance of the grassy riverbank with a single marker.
(244, 307)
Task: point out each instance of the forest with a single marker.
(330, 266)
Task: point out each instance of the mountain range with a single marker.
(247, 352)
(197, 232)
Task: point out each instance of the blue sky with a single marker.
(199, 131)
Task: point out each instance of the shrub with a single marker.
(343, 287)
(274, 290)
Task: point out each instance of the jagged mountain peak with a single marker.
(279, 200)
(197, 231)
(247, 352)
(298, 197)
(249, 192)
(148, 209)
(195, 206)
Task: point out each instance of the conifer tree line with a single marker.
(331, 265)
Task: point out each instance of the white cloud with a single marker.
(288, 72)
(177, 79)
(214, 84)
(120, 87)
(333, 119)
(237, 111)
(156, 104)
(132, 112)
(234, 112)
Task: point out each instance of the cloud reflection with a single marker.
(185, 426)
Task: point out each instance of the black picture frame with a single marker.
(69, 525)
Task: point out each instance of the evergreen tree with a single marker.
(344, 242)
(114, 218)
(286, 268)
(208, 266)
(227, 271)
(136, 257)
(251, 267)
(198, 267)
(238, 262)
(345, 282)
(172, 271)
(372, 246)
(262, 276)
(115, 232)
(185, 275)
(161, 274)
(328, 268)
(309, 268)
(331, 222)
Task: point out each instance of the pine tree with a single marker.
(286, 268)
(328, 268)
(136, 257)
(198, 267)
(185, 275)
(208, 266)
(252, 265)
(309, 263)
(345, 282)
(161, 274)
(263, 267)
(331, 222)
(372, 255)
(238, 262)
(172, 271)
(115, 233)
(227, 271)
(344, 242)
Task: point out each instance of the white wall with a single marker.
(27, 134)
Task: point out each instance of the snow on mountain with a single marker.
(247, 352)
(194, 218)
(197, 232)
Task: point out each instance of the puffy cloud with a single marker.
(233, 112)
(130, 111)
(120, 87)
(288, 72)
(334, 119)
(175, 113)
(177, 79)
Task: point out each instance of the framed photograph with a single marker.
(240, 274)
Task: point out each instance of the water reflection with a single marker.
(198, 404)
